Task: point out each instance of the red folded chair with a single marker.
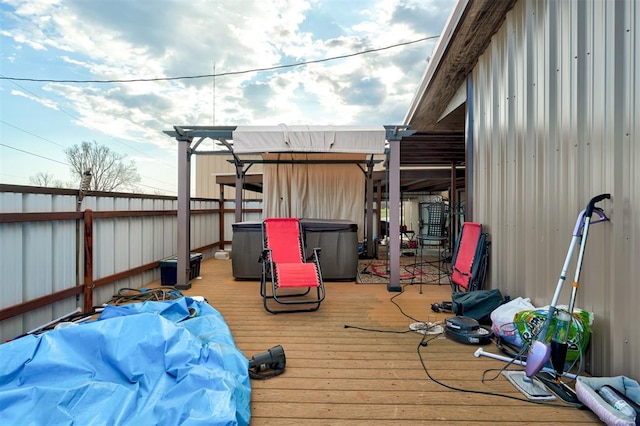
(285, 265)
(470, 258)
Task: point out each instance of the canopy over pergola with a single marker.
(297, 139)
(309, 139)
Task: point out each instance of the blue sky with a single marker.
(146, 39)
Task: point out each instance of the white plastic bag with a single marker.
(502, 320)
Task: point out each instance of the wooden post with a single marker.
(88, 261)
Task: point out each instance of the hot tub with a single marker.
(338, 240)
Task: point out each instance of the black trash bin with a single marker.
(168, 267)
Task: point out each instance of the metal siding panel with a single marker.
(136, 236)
(170, 228)
(104, 231)
(64, 254)
(207, 167)
(148, 235)
(12, 261)
(121, 238)
(554, 127)
(197, 228)
(158, 231)
(631, 203)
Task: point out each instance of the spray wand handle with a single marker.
(592, 203)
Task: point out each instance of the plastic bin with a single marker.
(169, 265)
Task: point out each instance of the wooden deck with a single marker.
(341, 375)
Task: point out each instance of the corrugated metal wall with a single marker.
(556, 121)
(39, 258)
(42, 253)
(209, 166)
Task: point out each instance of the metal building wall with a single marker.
(556, 121)
(207, 167)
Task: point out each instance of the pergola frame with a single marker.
(185, 135)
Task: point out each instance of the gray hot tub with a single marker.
(338, 240)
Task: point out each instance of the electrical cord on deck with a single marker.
(399, 307)
(378, 330)
(519, 355)
(424, 342)
(427, 327)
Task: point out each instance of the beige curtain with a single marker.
(315, 191)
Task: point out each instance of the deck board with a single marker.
(345, 375)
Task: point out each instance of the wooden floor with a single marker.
(338, 373)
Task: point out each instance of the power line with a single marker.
(32, 134)
(62, 110)
(67, 164)
(35, 155)
(224, 74)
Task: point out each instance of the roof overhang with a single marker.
(465, 36)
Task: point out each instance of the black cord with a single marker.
(378, 330)
(424, 343)
(401, 311)
(399, 307)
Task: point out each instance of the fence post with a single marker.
(88, 260)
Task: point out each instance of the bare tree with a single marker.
(41, 179)
(46, 179)
(109, 170)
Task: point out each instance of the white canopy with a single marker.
(283, 138)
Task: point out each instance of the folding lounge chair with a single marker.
(470, 258)
(285, 265)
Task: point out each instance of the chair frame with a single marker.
(434, 230)
(281, 295)
(479, 265)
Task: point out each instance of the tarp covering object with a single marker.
(283, 138)
(163, 363)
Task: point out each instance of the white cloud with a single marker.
(42, 101)
(123, 39)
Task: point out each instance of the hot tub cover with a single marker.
(144, 363)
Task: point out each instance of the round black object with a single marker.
(466, 330)
(462, 323)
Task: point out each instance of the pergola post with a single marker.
(394, 216)
(453, 202)
(394, 136)
(239, 186)
(369, 230)
(183, 261)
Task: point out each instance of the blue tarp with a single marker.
(151, 363)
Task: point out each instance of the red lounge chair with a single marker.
(285, 265)
(470, 258)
